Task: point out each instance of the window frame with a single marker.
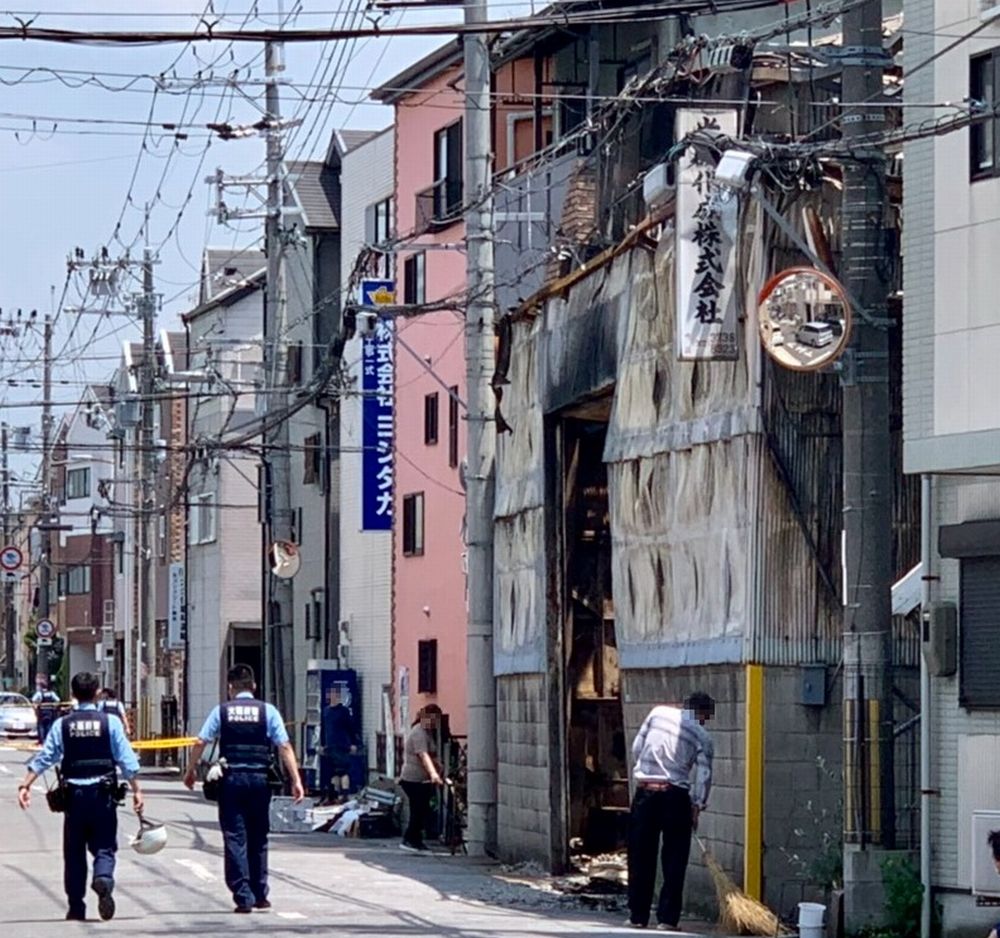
(427, 666)
(73, 491)
(985, 130)
(413, 524)
(312, 461)
(80, 575)
(378, 230)
(432, 420)
(453, 421)
(449, 177)
(415, 279)
(201, 508)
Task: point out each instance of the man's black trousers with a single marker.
(244, 816)
(90, 824)
(658, 814)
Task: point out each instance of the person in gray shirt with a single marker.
(672, 767)
(420, 774)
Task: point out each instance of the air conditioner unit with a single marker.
(988, 10)
(657, 186)
(985, 881)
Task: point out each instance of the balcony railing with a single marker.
(439, 205)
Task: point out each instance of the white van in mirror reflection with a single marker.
(816, 334)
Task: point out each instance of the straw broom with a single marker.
(739, 914)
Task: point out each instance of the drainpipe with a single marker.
(926, 548)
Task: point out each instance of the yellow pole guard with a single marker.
(181, 742)
(753, 789)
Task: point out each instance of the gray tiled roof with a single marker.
(226, 267)
(352, 139)
(316, 190)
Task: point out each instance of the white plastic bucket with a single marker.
(811, 916)
(811, 931)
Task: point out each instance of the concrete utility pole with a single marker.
(45, 573)
(9, 622)
(480, 363)
(279, 674)
(145, 648)
(870, 810)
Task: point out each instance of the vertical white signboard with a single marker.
(705, 255)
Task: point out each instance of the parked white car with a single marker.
(17, 716)
(816, 334)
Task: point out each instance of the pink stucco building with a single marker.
(429, 609)
(429, 599)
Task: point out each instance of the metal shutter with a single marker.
(980, 632)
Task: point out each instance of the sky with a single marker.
(70, 179)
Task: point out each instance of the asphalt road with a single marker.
(319, 884)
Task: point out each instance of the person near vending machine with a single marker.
(339, 741)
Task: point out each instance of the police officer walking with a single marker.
(46, 702)
(88, 744)
(248, 730)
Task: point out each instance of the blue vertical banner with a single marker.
(378, 409)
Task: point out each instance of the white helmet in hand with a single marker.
(150, 838)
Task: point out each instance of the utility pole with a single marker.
(45, 573)
(145, 656)
(870, 811)
(278, 645)
(480, 365)
(9, 623)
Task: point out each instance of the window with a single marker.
(202, 518)
(431, 419)
(427, 666)
(75, 581)
(453, 426)
(415, 278)
(378, 230)
(980, 626)
(378, 222)
(295, 364)
(413, 524)
(78, 483)
(312, 460)
(448, 181)
(984, 137)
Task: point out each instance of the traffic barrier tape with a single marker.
(180, 742)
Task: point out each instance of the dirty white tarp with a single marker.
(519, 533)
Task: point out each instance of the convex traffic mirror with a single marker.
(804, 318)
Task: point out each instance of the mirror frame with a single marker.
(835, 286)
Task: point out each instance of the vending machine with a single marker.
(332, 728)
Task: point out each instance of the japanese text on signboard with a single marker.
(378, 411)
(706, 239)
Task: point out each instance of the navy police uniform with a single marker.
(247, 730)
(90, 745)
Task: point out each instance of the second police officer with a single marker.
(248, 731)
(88, 745)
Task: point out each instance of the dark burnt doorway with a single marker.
(596, 754)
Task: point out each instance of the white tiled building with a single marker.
(365, 556)
(952, 426)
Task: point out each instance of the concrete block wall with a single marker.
(803, 767)
(523, 771)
